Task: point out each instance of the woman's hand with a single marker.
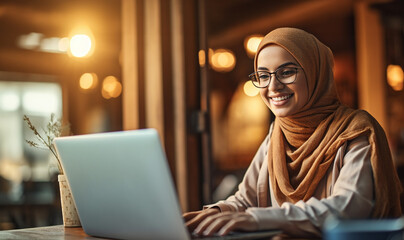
(209, 222)
(192, 219)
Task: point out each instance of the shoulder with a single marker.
(356, 150)
(358, 142)
(362, 117)
(351, 149)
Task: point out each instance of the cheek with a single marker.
(263, 94)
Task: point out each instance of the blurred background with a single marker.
(179, 66)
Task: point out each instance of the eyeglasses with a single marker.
(285, 75)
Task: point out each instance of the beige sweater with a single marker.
(346, 191)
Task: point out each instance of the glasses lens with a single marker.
(263, 78)
(286, 75)
(254, 77)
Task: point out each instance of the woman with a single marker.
(319, 159)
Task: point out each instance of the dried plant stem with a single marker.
(54, 129)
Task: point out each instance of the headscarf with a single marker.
(304, 145)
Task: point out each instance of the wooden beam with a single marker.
(371, 64)
(178, 65)
(130, 98)
(153, 67)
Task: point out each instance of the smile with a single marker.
(281, 98)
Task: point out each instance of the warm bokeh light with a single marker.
(210, 54)
(249, 115)
(395, 77)
(111, 87)
(80, 45)
(250, 89)
(223, 60)
(30, 41)
(251, 44)
(88, 81)
(63, 44)
(202, 58)
(37, 42)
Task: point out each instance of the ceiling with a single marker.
(231, 21)
(56, 18)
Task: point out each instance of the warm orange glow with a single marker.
(63, 44)
(88, 81)
(251, 44)
(249, 115)
(210, 54)
(395, 77)
(202, 58)
(223, 60)
(250, 89)
(81, 43)
(111, 87)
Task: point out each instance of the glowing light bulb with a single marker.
(251, 44)
(202, 58)
(88, 81)
(395, 77)
(80, 45)
(250, 89)
(111, 87)
(223, 60)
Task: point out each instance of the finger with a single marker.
(189, 215)
(245, 223)
(230, 226)
(194, 222)
(207, 222)
(216, 225)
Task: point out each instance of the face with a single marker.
(283, 100)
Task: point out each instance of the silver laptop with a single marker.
(122, 185)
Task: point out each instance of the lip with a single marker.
(279, 101)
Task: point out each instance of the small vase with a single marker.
(69, 211)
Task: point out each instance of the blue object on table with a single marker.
(372, 229)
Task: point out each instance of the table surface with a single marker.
(51, 232)
(68, 233)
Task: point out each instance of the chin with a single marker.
(281, 113)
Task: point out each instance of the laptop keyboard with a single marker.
(268, 234)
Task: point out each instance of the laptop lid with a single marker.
(121, 184)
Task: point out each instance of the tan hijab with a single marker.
(303, 146)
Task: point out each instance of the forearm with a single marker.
(307, 218)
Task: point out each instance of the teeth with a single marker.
(281, 98)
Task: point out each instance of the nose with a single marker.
(274, 84)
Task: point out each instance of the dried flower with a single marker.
(53, 129)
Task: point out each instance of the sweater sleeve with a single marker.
(351, 197)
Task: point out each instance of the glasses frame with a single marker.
(254, 75)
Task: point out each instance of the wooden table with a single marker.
(47, 233)
(60, 232)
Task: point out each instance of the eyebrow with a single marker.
(280, 66)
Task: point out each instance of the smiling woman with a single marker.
(319, 159)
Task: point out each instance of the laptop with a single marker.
(122, 186)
